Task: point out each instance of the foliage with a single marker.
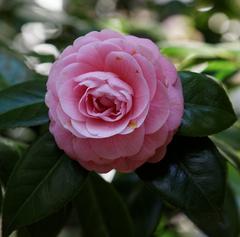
(44, 192)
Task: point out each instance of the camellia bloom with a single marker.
(113, 101)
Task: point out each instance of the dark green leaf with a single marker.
(143, 203)
(3, 83)
(43, 181)
(192, 178)
(207, 108)
(23, 105)
(10, 152)
(101, 211)
(1, 199)
(48, 227)
(25, 117)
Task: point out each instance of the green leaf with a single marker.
(12, 69)
(1, 199)
(144, 204)
(231, 215)
(221, 69)
(228, 152)
(166, 229)
(194, 53)
(10, 153)
(101, 211)
(43, 182)
(191, 177)
(48, 227)
(207, 108)
(23, 105)
(228, 142)
(3, 83)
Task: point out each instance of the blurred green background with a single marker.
(201, 36)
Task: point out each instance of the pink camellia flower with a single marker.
(113, 101)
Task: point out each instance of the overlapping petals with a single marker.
(113, 101)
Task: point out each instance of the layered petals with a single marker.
(114, 101)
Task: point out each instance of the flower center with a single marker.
(106, 97)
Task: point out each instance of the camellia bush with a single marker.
(113, 102)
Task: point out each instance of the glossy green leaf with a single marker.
(23, 105)
(10, 152)
(207, 108)
(192, 177)
(144, 204)
(43, 181)
(101, 210)
(47, 227)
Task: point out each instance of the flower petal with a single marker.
(148, 72)
(158, 111)
(104, 34)
(176, 105)
(128, 70)
(100, 129)
(119, 145)
(151, 143)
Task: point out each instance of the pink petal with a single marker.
(61, 135)
(145, 47)
(126, 165)
(79, 129)
(166, 71)
(66, 52)
(119, 145)
(124, 45)
(51, 101)
(66, 122)
(56, 69)
(159, 110)
(83, 150)
(128, 70)
(91, 166)
(83, 40)
(95, 53)
(69, 99)
(104, 48)
(148, 72)
(176, 105)
(159, 155)
(151, 143)
(105, 34)
(100, 129)
(89, 54)
(137, 122)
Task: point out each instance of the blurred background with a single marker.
(198, 35)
